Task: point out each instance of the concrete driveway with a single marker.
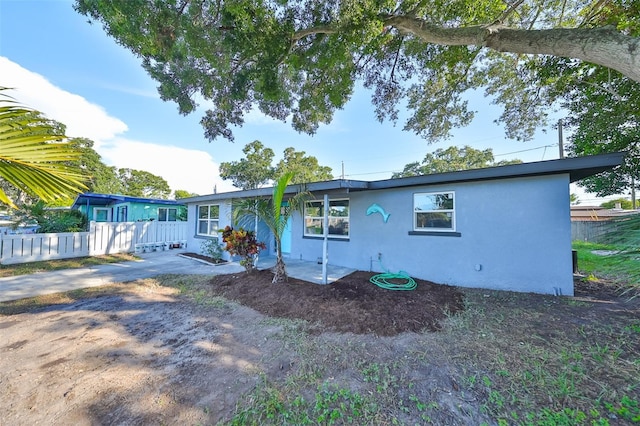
(150, 265)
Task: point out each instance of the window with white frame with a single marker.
(167, 214)
(208, 217)
(101, 214)
(338, 218)
(434, 211)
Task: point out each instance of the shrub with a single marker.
(212, 249)
(51, 220)
(243, 243)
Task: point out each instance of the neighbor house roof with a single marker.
(576, 167)
(597, 213)
(95, 199)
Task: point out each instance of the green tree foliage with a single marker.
(301, 60)
(574, 199)
(304, 169)
(138, 183)
(251, 172)
(256, 169)
(182, 193)
(34, 155)
(452, 159)
(604, 116)
(103, 179)
(624, 204)
(51, 220)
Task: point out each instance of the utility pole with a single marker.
(342, 176)
(560, 142)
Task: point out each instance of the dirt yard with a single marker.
(184, 353)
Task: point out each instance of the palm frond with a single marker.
(33, 156)
(269, 210)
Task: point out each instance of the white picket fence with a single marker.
(102, 238)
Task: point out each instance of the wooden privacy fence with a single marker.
(102, 238)
(592, 231)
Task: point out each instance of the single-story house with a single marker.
(504, 228)
(123, 208)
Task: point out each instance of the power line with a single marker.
(495, 155)
(372, 173)
(524, 150)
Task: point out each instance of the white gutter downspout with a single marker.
(325, 241)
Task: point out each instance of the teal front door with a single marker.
(286, 238)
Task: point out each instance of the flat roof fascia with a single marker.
(330, 185)
(106, 199)
(577, 168)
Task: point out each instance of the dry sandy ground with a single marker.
(149, 356)
(143, 358)
(146, 354)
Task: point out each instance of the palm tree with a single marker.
(33, 156)
(272, 213)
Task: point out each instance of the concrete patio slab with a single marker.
(306, 270)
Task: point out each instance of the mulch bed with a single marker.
(351, 304)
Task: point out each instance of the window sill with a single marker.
(206, 237)
(436, 233)
(320, 237)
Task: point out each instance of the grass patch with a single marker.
(508, 359)
(54, 265)
(329, 405)
(194, 288)
(544, 370)
(621, 266)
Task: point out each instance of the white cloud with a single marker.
(188, 169)
(82, 118)
(191, 170)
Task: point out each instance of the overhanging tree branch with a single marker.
(300, 34)
(602, 46)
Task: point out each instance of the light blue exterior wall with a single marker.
(517, 232)
(135, 211)
(194, 241)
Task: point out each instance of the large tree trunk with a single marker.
(603, 46)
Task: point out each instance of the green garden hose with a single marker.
(384, 281)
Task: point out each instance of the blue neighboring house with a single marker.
(503, 228)
(123, 208)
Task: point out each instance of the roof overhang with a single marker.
(101, 200)
(575, 167)
(336, 185)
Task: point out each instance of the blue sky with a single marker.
(73, 72)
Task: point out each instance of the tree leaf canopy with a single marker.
(300, 61)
